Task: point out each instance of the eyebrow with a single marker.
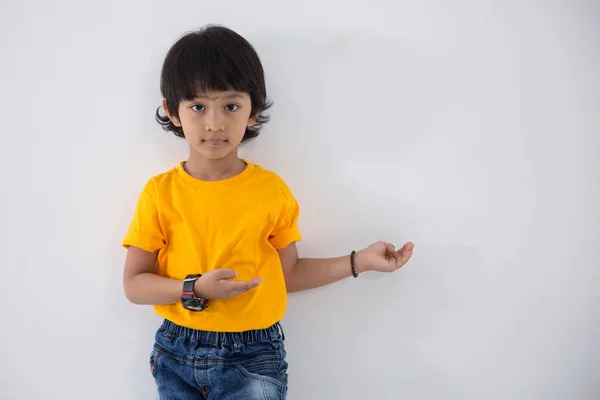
(229, 96)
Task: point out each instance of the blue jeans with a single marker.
(190, 364)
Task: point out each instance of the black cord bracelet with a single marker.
(354, 274)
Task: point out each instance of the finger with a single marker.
(403, 259)
(254, 282)
(389, 248)
(223, 273)
(406, 256)
(241, 287)
(409, 246)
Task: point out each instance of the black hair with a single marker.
(212, 58)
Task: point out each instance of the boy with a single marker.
(212, 241)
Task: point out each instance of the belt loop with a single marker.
(237, 344)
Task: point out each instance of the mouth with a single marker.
(214, 142)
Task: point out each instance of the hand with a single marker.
(219, 284)
(383, 257)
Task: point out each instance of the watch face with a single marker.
(194, 304)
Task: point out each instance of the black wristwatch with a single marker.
(189, 300)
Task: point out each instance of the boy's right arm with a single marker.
(143, 286)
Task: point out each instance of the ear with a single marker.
(251, 121)
(173, 118)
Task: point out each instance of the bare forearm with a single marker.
(309, 273)
(152, 289)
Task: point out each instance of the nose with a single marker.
(214, 121)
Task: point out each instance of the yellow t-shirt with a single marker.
(239, 223)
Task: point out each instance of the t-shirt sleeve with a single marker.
(286, 229)
(144, 230)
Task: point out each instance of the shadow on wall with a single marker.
(346, 153)
(373, 102)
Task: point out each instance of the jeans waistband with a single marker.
(272, 333)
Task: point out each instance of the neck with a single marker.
(207, 169)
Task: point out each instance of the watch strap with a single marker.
(188, 286)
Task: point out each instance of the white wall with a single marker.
(469, 127)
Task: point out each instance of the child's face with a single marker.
(214, 123)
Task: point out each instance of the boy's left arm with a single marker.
(307, 273)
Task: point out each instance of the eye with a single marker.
(231, 107)
(198, 107)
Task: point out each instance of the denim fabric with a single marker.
(190, 364)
